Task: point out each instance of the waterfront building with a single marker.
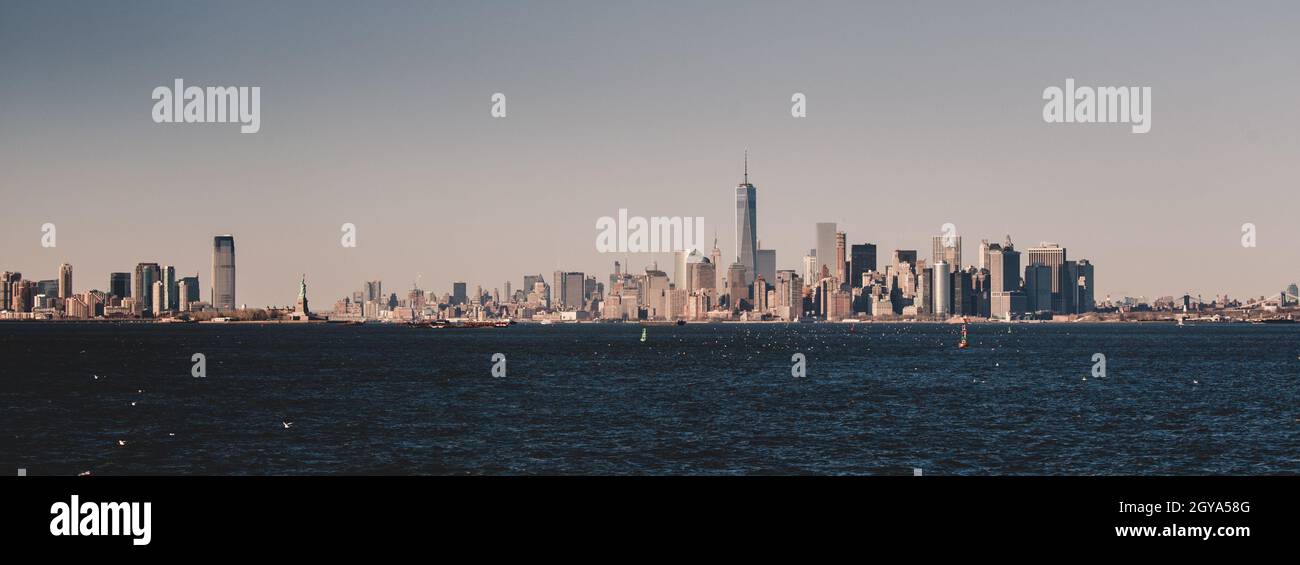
(184, 288)
(171, 289)
(158, 296)
(223, 273)
(7, 279)
(1038, 287)
(942, 289)
(146, 274)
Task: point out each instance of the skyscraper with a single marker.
(950, 254)
(574, 290)
(65, 281)
(183, 292)
(942, 287)
(223, 272)
(7, 280)
(1005, 297)
(1004, 267)
(747, 226)
(171, 290)
(825, 252)
(841, 272)
(905, 256)
(862, 258)
(679, 268)
(119, 284)
(21, 293)
(158, 298)
(458, 293)
(192, 292)
(557, 289)
(789, 296)
(691, 273)
(375, 291)
(810, 265)
(145, 275)
(702, 276)
(737, 289)
(767, 264)
(1038, 287)
(1052, 255)
(715, 257)
(1067, 300)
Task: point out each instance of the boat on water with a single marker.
(441, 324)
(643, 335)
(964, 343)
(663, 323)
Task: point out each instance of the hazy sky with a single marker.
(377, 113)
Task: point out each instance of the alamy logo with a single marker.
(75, 518)
(658, 234)
(1104, 104)
(211, 105)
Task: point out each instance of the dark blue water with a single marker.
(697, 399)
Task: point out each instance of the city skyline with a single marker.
(435, 186)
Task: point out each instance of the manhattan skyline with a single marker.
(915, 119)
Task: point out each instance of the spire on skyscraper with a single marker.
(746, 165)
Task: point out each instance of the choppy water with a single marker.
(698, 399)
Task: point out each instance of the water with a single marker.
(696, 399)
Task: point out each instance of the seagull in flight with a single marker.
(287, 425)
(121, 442)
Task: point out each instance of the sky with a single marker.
(378, 114)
